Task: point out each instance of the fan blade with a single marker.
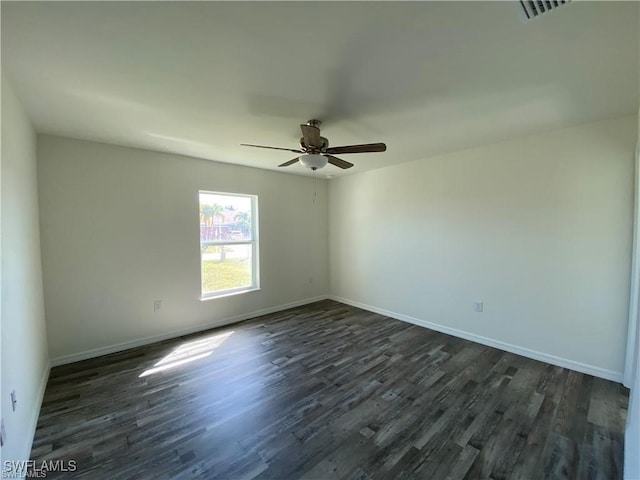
(338, 162)
(290, 162)
(369, 147)
(272, 148)
(311, 135)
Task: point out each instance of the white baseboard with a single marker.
(97, 352)
(518, 350)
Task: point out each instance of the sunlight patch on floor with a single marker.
(188, 352)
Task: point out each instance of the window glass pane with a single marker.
(225, 218)
(226, 267)
(228, 249)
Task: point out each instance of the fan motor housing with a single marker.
(324, 144)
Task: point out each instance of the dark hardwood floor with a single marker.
(328, 391)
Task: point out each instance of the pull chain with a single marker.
(315, 186)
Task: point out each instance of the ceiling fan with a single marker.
(316, 152)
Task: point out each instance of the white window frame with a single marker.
(255, 274)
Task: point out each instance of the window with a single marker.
(228, 243)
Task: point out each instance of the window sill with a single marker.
(214, 296)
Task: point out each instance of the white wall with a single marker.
(632, 432)
(120, 228)
(539, 228)
(25, 364)
(632, 369)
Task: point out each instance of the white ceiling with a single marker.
(199, 78)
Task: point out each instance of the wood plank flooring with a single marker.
(328, 391)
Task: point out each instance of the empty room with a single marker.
(320, 240)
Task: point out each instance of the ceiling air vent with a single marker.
(535, 8)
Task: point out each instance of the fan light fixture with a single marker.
(313, 161)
